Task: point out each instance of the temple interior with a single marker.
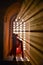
(21, 23)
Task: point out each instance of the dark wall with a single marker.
(4, 4)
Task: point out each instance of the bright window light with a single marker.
(15, 19)
(17, 28)
(13, 27)
(20, 30)
(24, 36)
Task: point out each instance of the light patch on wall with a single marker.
(24, 36)
(18, 29)
(13, 27)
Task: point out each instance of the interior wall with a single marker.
(12, 10)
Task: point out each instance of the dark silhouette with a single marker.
(17, 47)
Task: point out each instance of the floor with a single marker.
(18, 58)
